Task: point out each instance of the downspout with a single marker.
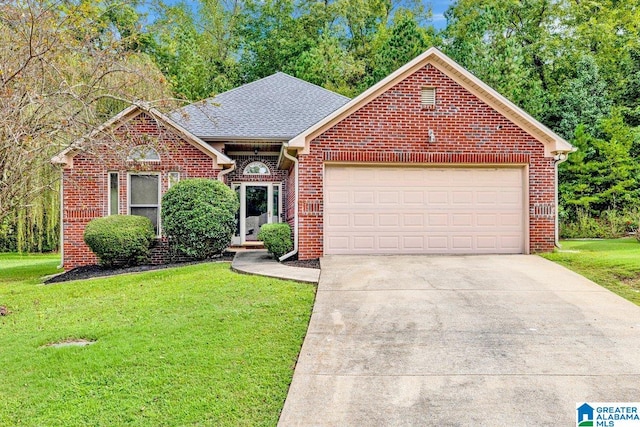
(560, 157)
(224, 172)
(295, 203)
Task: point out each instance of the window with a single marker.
(114, 193)
(276, 203)
(428, 97)
(144, 153)
(256, 168)
(174, 178)
(144, 197)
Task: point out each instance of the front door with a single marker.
(259, 205)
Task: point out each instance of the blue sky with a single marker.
(439, 7)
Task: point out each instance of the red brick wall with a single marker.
(86, 184)
(394, 128)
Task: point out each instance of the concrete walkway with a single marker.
(460, 341)
(260, 263)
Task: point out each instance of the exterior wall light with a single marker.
(432, 136)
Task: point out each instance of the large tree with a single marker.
(64, 68)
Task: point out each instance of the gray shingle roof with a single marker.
(276, 107)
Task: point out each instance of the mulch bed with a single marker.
(91, 271)
(95, 270)
(307, 263)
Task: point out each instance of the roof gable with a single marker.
(277, 107)
(65, 157)
(553, 143)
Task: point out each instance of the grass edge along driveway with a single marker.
(611, 263)
(196, 345)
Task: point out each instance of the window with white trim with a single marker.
(256, 168)
(144, 153)
(114, 193)
(173, 179)
(144, 197)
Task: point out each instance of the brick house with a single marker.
(429, 160)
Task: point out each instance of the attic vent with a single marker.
(428, 97)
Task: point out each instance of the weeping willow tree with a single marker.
(65, 67)
(35, 227)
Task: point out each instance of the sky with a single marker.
(438, 8)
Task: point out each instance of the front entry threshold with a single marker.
(247, 246)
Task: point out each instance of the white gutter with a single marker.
(295, 203)
(222, 173)
(560, 157)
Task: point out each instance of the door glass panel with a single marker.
(236, 188)
(256, 210)
(144, 189)
(276, 203)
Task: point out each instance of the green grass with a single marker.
(613, 264)
(196, 345)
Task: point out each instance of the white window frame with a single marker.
(170, 181)
(129, 174)
(246, 168)
(109, 173)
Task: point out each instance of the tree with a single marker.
(509, 45)
(584, 100)
(402, 42)
(602, 175)
(62, 73)
(197, 50)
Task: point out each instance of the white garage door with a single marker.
(406, 210)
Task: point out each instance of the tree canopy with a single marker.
(66, 65)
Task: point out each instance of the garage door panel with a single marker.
(338, 197)
(487, 219)
(363, 220)
(462, 220)
(423, 210)
(487, 242)
(438, 220)
(462, 243)
(337, 220)
(389, 220)
(388, 197)
(389, 243)
(413, 197)
(510, 220)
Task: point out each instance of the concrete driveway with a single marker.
(461, 341)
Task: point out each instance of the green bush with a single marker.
(276, 238)
(199, 217)
(120, 239)
(610, 225)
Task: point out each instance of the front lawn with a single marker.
(614, 264)
(196, 345)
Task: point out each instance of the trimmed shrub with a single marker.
(199, 217)
(120, 239)
(276, 238)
